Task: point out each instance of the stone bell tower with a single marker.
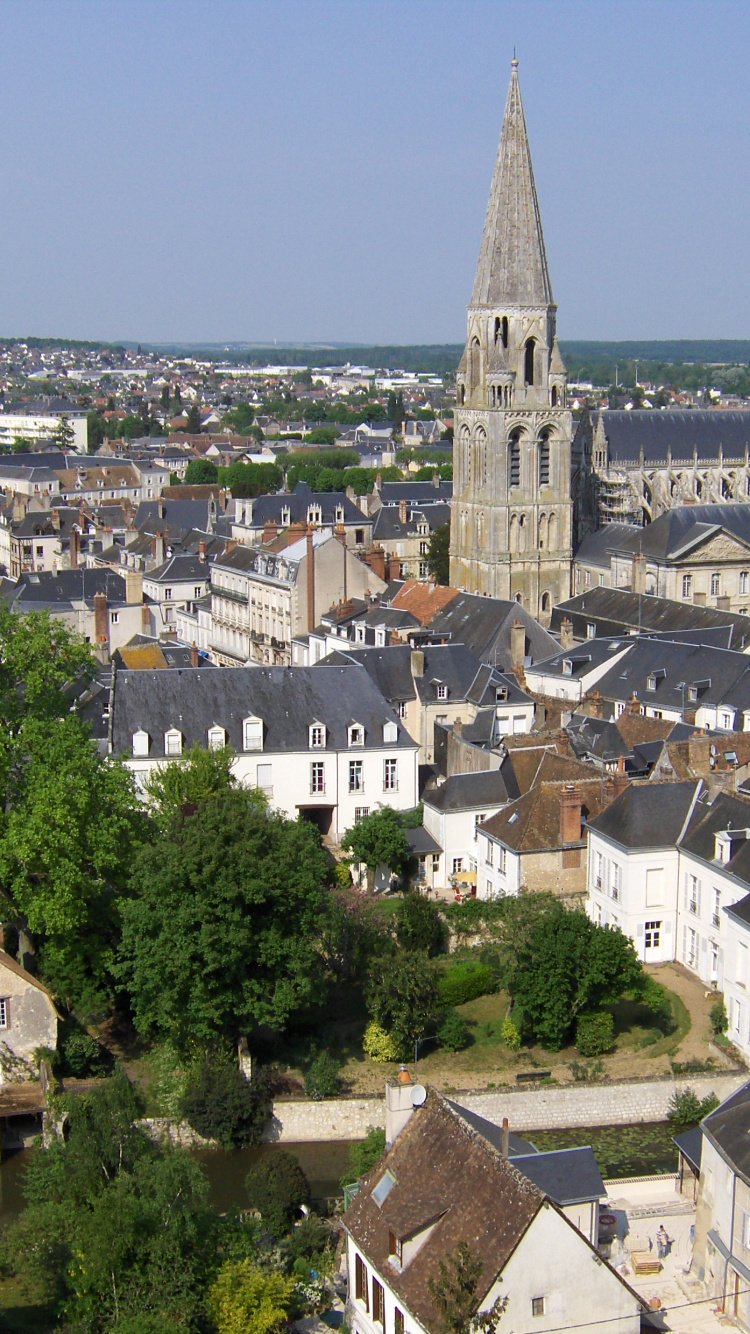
(511, 525)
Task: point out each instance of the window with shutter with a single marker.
(378, 1303)
(398, 1321)
(360, 1282)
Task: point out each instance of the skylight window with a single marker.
(383, 1189)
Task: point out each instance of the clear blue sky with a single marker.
(319, 169)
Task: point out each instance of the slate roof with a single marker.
(421, 841)
(288, 699)
(484, 626)
(596, 548)
(176, 515)
(725, 812)
(267, 509)
(50, 589)
(451, 665)
(415, 493)
(179, 568)
(443, 1170)
(649, 816)
(728, 1128)
(492, 1133)
(467, 792)
(567, 1176)
(596, 737)
(39, 523)
(690, 1145)
(387, 525)
(613, 610)
(676, 667)
(678, 430)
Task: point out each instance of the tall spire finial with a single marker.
(514, 61)
(512, 267)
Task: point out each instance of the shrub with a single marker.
(364, 1154)
(418, 924)
(510, 1035)
(687, 1109)
(246, 1297)
(654, 996)
(309, 1239)
(322, 1079)
(464, 982)
(276, 1186)
(220, 1104)
(595, 1033)
(718, 1016)
(454, 1031)
(83, 1055)
(379, 1045)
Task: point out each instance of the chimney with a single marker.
(378, 480)
(595, 704)
(639, 572)
(517, 646)
(101, 619)
(436, 480)
(403, 512)
(570, 814)
(270, 531)
(160, 508)
(699, 753)
(194, 659)
(133, 588)
(158, 549)
(74, 548)
(633, 706)
(310, 582)
(723, 603)
(566, 634)
(145, 619)
(620, 779)
(376, 560)
(505, 1138)
(417, 662)
(340, 534)
(398, 1104)
(201, 550)
(20, 504)
(56, 520)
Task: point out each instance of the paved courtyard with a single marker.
(640, 1207)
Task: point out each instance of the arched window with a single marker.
(514, 460)
(519, 598)
(522, 533)
(545, 602)
(481, 457)
(501, 329)
(542, 531)
(475, 368)
(528, 361)
(544, 460)
(513, 536)
(743, 581)
(552, 532)
(554, 396)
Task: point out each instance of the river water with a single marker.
(621, 1151)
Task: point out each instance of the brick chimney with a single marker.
(639, 572)
(340, 534)
(570, 814)
(20, 505)
(699, 753)
(436, 480)
(378, 480)
(74, 548)
(403, 512)
(310, 581)
(201, 550)
(417, 662)
(566, 634)
(194, 659)
(270, 531)
(620, 779)
(595, 704)
(517, 645)
(101, 619)
(158, 549)
(133, 588)
(376, 561)
(633, 705)
(56, 520)
(160, 508)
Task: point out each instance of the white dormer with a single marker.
(252, 733)
(356, 734)
(359, 632)
(217, 738)
(141, 742)
(390, 733)
(318, 736)
(173, 742)
(314, 514)
(441, 690)
(339, 513)
(286, 516)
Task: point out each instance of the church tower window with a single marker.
(544, 461)
(528, 361)
(514, 461)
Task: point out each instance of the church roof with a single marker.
(512, 269)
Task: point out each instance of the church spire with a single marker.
(512, 269)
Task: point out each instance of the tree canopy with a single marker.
(201, 472)
(438, 554)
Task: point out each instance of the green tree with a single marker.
(351, 932)
(64, 436)
(221, 932)
(322, 435)
(568, 965)
(247, 480)
(193, 780)
(193, 422)
(363, 1155)
(245, 1299)
(21, 445)
(276, 1186)
(438, 554)
(95, 429)
(402, 996)
(131, 427)
(456, 1295)
(418, 924)
(201, 472)
(378, 840)
(240, 419)
(220, 1104)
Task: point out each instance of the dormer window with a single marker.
(390, 733)
(442, 692)
(317, 736)
(286, 516)
(501, 694)
(654, 678)
(360, 634)
(395, 1247)
(173, 742)
(567, 667)
(314, 514)
(356, 734)
(339, 513)
(252, 733)
(693, 694)
(141, 743)
(217, 738)
(651, 683)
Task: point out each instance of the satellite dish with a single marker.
(418, 1095)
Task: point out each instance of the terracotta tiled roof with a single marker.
(532, 824)
(443, 1170)
(635, 728)
(423, 600)
(145, 657)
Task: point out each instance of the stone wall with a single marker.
(543, 1108)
